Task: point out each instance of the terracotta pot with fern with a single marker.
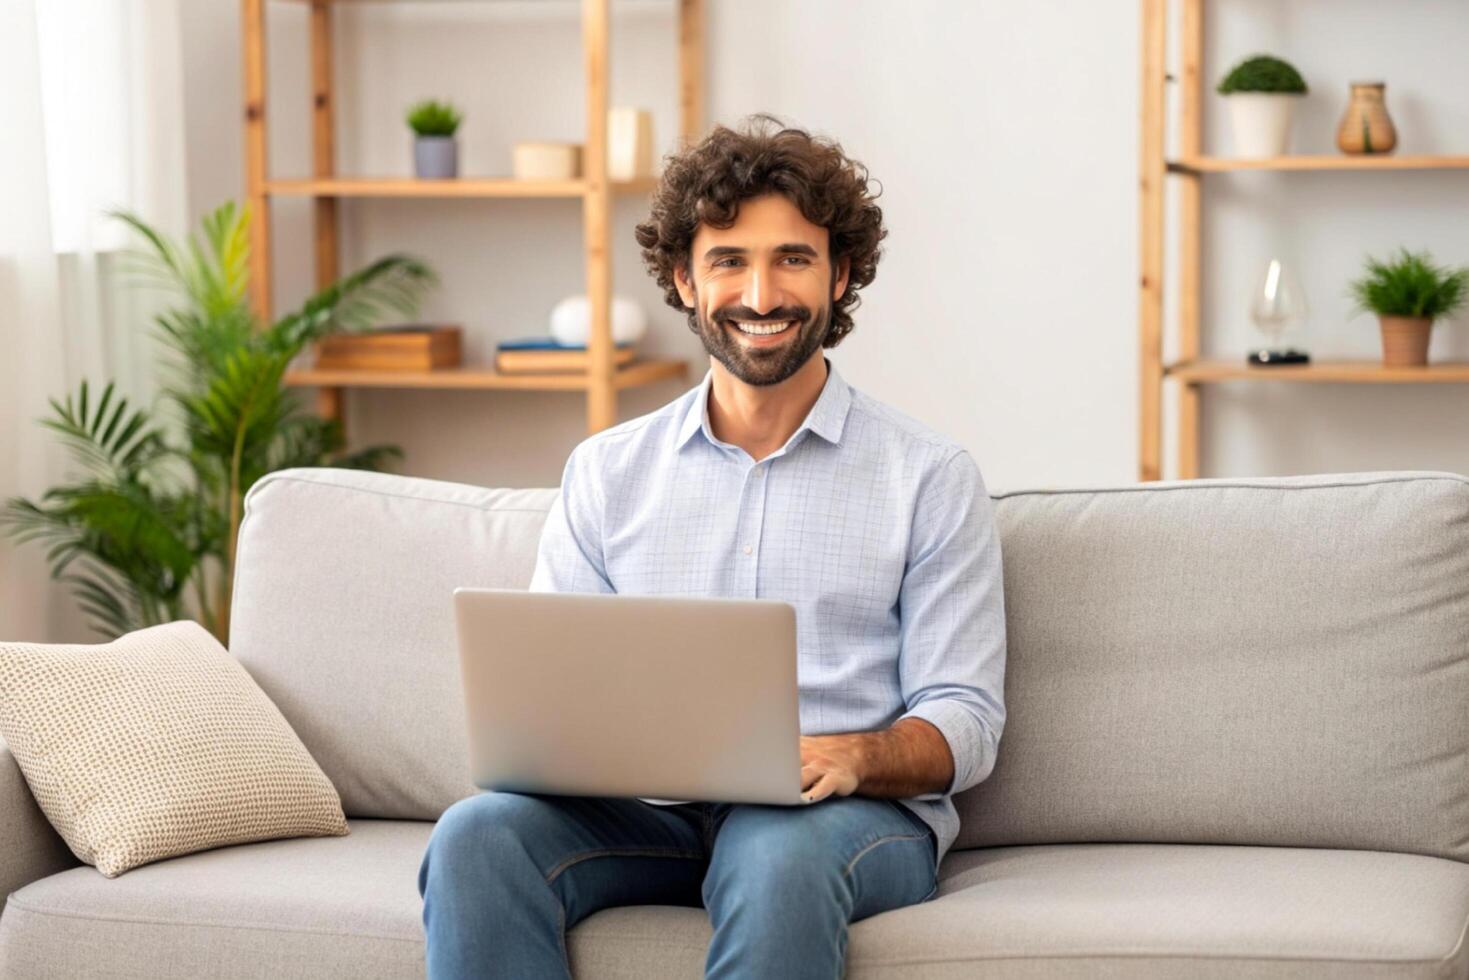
(1408, 293)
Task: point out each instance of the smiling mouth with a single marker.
(762, 329)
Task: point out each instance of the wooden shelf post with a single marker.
(596, 217)
(691, 68)
(1190, 215)
(253, 33)
(1150, 241)
(329, 400)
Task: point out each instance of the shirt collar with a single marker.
(826, 418)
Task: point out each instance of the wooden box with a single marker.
(405, 348)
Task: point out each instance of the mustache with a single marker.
(779, 315)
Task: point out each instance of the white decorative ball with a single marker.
(571, 319)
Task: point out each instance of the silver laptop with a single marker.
(659, 697)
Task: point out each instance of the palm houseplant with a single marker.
(144, 532)
(1408, 292)
(1261, 91)
(435, 150)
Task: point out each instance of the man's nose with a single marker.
(759, 294)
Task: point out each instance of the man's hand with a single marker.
(909, 759)
(830, 764)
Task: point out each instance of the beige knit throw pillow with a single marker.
(155, 745)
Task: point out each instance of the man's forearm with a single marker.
(909, 759)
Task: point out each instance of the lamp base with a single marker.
(1290, 355)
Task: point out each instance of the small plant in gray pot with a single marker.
(435, 151)
(1408, 293)
(1261, 92)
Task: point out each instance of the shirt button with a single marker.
(748, 549)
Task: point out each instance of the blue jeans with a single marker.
(507, 874)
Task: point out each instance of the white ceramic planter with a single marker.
(1261, 123)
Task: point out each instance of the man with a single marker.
(772, 479)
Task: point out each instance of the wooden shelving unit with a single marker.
(326, 187)
(1189, 166)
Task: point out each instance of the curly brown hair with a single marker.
(707, 182)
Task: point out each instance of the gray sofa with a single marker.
(1237, 746)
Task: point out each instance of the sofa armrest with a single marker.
(30, 848)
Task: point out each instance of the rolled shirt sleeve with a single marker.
(951, 663)
(569, 557)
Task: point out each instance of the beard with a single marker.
(761, 365)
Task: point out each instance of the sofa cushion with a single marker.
(343, 613)
(349, 907)
(1277, 661)
(156, 744)
(321, 907)
(1134, 910)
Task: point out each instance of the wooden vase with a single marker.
(1405, 340)
(1365, 126)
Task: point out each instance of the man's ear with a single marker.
(683, 285)
(844, 268)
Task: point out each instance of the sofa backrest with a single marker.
(1273, 661)
(1230, 661)
(343, 613)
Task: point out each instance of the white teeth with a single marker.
(762, 329)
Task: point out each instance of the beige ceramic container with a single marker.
(546, 161)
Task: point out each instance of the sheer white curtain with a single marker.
(91, 108)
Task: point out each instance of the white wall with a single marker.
(1005, 137)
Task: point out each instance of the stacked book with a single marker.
(403, 347)
(544, 355)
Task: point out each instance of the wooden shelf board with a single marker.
(456, 187)
(1360, 372)
(1193, 165)
(474, 377)
(650, 4)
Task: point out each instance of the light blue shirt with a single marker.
(878, 531)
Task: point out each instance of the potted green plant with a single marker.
(150, 517)
(1261, 91)
(435, 151)
(1408, 293)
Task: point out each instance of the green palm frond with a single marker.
(110, 601)
(203, 342)
(392, 285)
(241, 404)
(309, 440)
(126, 530)
(228, 232)
(131, 528)
(368, 458)
(213, 278)
(304, 440)
(29, 521)
(108, 443)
